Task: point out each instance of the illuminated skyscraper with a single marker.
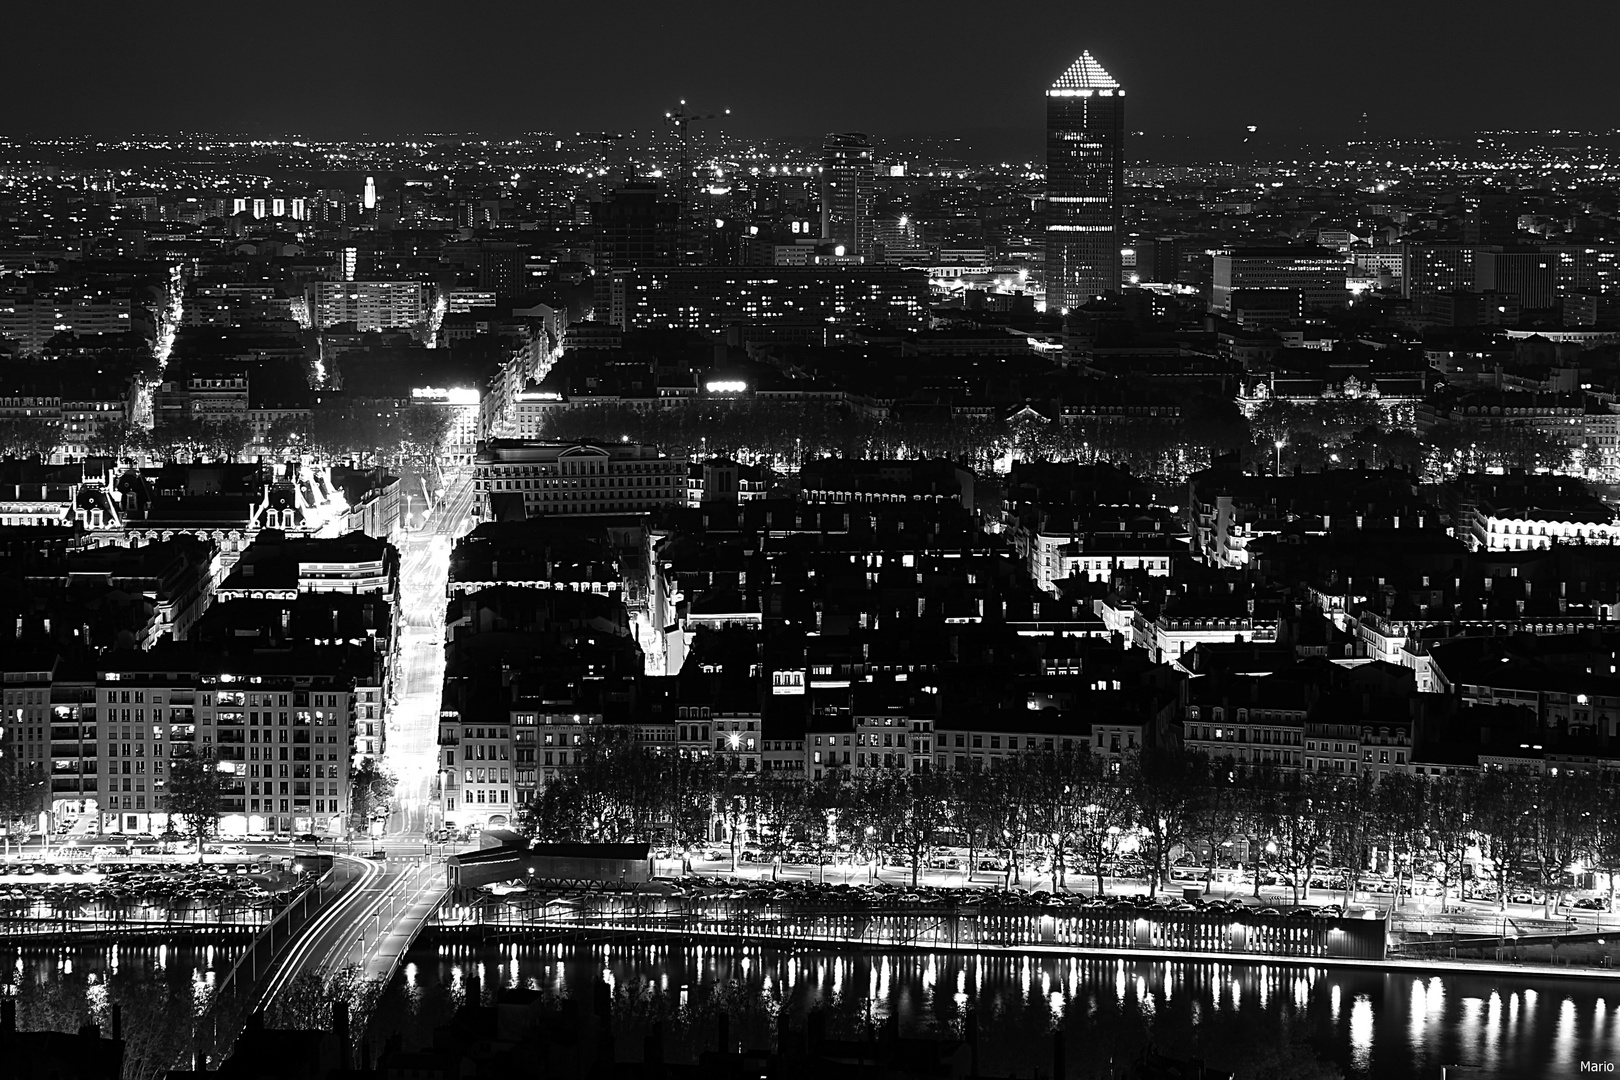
(1085, 181)
(369, 199)
(847, 185)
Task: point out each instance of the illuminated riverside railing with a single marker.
(39, 917)
(926, 926)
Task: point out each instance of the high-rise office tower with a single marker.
(637, 226)
(847, 185)
(1085, 181)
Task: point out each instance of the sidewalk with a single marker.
(423, 890)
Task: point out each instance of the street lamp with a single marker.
(1279, 444)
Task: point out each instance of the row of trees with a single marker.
(180, 437)
(1346, 429)
(1527, 830)
(28, 437)
(369, 434)
(784, 434)
(188, 437)
(1334, 431)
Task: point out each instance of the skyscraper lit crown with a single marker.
(1084, 78)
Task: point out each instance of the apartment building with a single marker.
(515, 479)
(281, 724)
(370, 305)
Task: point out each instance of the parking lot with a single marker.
(105, 886)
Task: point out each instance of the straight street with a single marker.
(411, 753)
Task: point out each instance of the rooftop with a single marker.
(1084, 74)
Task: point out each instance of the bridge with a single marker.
(366, 912)
(362, 914)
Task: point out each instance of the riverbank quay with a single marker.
(1149, 934)
(1420, 915)
(993, 923)
(227, 935)
(477, 936)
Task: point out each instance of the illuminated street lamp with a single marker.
(1279, 444)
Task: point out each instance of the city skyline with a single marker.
(1265, 64)
(681, 503)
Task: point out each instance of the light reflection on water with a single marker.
(158, 988)
(1361, 1031)
(1369, 1024)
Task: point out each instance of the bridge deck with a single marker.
(416, 898)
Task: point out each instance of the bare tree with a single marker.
(195, 793)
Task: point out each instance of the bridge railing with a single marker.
(409, 891)
(234, 997)
(934, 926)
(37, 918)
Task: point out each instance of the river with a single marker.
(1388, 1026)
(158, 989)
(1370, 1025)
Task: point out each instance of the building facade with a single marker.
(1085, 183)
(534, 479)
(847, 188)
(281, 727)
(370, 305)
(711, 299)
(1318, 275)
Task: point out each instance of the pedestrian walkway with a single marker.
(444, 932)
(416, 897)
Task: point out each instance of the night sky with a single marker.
(347, 67)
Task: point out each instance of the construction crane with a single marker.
(681, 121)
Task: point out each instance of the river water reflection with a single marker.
(1384, 1026)
(158, 987)
(1388, 1026)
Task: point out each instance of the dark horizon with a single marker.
(411, 67)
